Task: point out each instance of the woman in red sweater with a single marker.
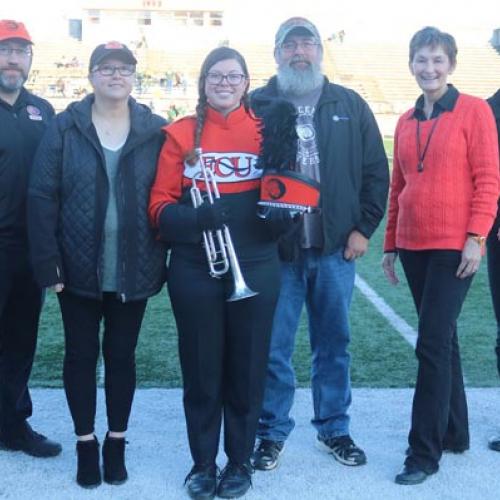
(442, 204)
(223, 345)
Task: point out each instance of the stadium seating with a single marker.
(379, 72)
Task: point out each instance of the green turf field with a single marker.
(380, 356)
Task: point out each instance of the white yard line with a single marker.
(396, 321)
(393, 318)
(100, 371)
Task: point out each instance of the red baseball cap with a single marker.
(13, 30)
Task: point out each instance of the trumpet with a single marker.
(218, 244)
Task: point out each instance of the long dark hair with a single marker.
(215, 56)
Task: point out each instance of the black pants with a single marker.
(493, 249)
(20, 304)
(122, 322)
(439, 413)
(224, 348)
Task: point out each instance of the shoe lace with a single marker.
(201, 468)
(267, 447)
(233, 468)
(343, 442)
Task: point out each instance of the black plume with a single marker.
(278, 149)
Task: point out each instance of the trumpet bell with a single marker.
(241, 292)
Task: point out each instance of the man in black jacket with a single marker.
(23, 119)
(493, 250)
(340, 147)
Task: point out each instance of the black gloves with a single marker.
(212, 216)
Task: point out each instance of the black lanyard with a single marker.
(421, 156)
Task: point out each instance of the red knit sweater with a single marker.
(457, 191)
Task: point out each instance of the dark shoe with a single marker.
(235, 480)
(201, 482)
(113, 460)
(25, 439)
(343, 449)
(267, 454)
(88, 473)
(411, 474)
(494, 443)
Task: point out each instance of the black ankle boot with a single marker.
(113, 456)
(88, 474)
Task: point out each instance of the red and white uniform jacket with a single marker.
(230, 147)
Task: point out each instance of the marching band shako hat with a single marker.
(282, 186)
(288, 189)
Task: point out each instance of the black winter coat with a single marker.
(67, 201)
(353, 165)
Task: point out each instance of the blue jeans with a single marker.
(325, 284)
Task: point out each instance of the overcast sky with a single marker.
(258, 19)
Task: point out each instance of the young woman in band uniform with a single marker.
(223, 345)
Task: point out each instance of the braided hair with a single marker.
(215, 56)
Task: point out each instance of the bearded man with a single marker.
(23, 120)
(339, 146)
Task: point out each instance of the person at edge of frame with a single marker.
(493, 253)
(23, 121)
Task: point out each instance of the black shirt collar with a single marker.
(445, 103)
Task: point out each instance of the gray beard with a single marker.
(8, 86)
(299, 82)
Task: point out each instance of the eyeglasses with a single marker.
(108, 70)
(307, 45)
(8, 51)
(231, 78)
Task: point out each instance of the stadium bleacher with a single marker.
(379, 72)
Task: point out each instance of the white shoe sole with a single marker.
(272, 467)
(322, 446)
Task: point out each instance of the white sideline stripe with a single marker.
(100, 371)
(396, 321)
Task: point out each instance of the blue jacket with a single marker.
(67, 201)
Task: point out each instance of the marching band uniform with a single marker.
(223, 345)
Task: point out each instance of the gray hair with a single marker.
(432, 37)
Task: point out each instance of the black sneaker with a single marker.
(234, 480)
(201, 482)
(30, 442)
(267, 454)
(343, 449)
(411, 474)
(494, 443)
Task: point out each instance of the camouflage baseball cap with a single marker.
(292, 24)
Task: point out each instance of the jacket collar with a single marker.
(236, 116)
(494, 102)
(143, 123)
